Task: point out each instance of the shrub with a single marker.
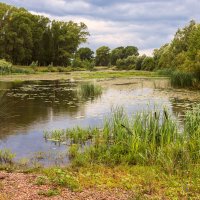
(5, 67)
(6, 157)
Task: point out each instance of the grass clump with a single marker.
(64, 178)
(6, 157)
(182, 79)
(49, 193)
(90, 90)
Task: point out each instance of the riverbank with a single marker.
(77, 75)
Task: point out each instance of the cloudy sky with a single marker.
(147, 24)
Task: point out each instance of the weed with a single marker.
(49, 193)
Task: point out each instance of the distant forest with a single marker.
(25, 38)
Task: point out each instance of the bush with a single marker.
(5, 67)
(86, 64)
(127, 63)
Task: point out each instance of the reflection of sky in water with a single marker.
(25, 139)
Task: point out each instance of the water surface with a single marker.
(29, 108)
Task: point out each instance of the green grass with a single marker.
(182, 79)
(114, 74)
(146, 153)
(49, 193)
(87, 90)
(147, 138)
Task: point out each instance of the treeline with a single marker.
(122, 57)
(183, 52)
(25, 38)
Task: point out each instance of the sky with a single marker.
(147, 24)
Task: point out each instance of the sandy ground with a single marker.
(18, 186)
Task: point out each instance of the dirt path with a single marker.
(18, 186)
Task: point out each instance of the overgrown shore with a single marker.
(145, 157)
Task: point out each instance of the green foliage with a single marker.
(49, 193)
(122, 53)
(6, 157)
(148, 64)
(183, 52)
(61, 177)
(86, 64)
(90, 90)
(139, 62)
(25, 37)
(147, 138)
(5, 67)
(127, 63)
(85, 53)
(41, 180)
(103, 56)
(182, 79)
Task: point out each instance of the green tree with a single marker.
(102, 56)
(130, 51)
(85, 53)
(25, 37)
(117, 53)
(148, 64)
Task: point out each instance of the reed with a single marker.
(182, 79)
(147, 138)
(89, 90)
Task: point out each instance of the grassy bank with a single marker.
(147, 155)
(148, 138)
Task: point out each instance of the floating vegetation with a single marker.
(147, 138)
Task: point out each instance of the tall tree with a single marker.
(103, 56)
(25, 37)
(85, 53)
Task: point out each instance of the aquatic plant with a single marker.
(182, 79)
(147, 138)
(87, 90)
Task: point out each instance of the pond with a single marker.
(32, 107)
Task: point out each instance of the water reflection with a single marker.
(29, 108)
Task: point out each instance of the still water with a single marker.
(27, 109)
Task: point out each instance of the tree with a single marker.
(148, 64)
(117, 53)
(85, 53)
(130, 51)
(102, 56)
(25, 37)
(139, 61)
(127, 63)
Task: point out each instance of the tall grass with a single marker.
(89, 90)
(182, 79)
(147, 138)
